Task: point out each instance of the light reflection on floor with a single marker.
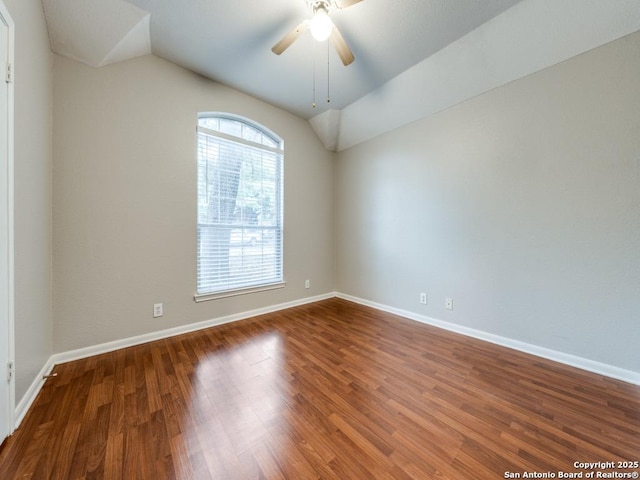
(239, 394)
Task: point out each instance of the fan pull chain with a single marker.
(328, 96)
(313, 54)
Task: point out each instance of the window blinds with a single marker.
(239, 212)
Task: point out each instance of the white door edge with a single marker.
(7, 389)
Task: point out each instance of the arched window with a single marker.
(239, 207)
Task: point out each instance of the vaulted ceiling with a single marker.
(412, 57)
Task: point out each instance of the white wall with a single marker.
(522, 204)
(33, 100)
(125, 200)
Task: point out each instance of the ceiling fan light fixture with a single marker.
(322, 28)
(321, 25)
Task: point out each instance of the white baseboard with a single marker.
(57, 358)
(25, 403)
(592, 366)
(79, 353)
(32, 392)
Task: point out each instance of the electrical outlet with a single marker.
(307, 284)
(448, 303)
(157, 310)
(423, 298)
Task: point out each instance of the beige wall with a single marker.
(32, 183)
(522, 204)
(124, 187)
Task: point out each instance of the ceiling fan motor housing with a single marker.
(320, 5)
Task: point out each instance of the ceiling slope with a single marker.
(413, 58)
(531, 36)
(97, 32)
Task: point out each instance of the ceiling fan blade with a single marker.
(337, 40)
(290, 37)
(346, 3)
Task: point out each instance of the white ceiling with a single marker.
(404, 49)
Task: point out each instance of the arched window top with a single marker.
(241, 128)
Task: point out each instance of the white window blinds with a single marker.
(239, 206)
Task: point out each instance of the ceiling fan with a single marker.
(321, 28)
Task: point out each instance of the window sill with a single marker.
(205, 297)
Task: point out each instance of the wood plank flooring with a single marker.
(329, 390)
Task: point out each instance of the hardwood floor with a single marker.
(328, 390)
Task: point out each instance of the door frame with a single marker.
(5, 18)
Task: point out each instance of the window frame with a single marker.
(279, 185)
